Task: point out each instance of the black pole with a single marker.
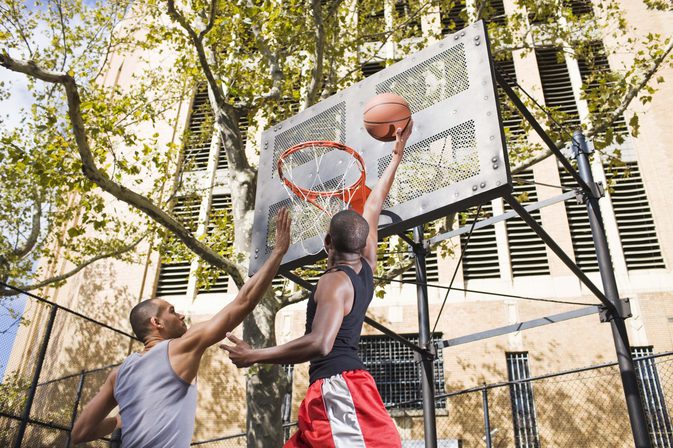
(116, 438)
(36, 377)
(618, 314)
(487, 420)
(78, 398)
(424, 339)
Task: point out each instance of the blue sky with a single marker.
(9, 325)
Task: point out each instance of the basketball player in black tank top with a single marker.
(342, 408)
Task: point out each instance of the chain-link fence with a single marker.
(65, 357)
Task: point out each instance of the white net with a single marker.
(318, 179)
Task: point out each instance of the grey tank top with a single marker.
(157, 406)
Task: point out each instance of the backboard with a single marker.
(455, 158)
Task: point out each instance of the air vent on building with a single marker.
(653, 397)
(174, 276)
(371, 19)
(408, 17)
(370, 68)
(199, 132)
(495, 12)
(527, 251)
(580, 230)
(598, 66)
(556, 85)
(511, 118)
(453, 15)
(579, 7)
(481, 257)
(220, 202)
(634, 218)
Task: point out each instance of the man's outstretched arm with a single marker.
(374, 204)
(332, 291)
(185, 352)
(93, 422)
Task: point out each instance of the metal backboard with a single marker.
(455, 158)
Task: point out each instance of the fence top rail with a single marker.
(68, 310)
(82, 372)
(485, 387)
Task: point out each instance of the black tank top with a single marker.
(344, 354)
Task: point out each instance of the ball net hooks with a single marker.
(329, 176)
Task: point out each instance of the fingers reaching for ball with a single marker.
(401, 137)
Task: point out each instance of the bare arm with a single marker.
(93, 423)
(331, 296)
(185, 352)
(374, 204)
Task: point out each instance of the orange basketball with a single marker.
(384, 114)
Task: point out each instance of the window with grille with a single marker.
(220, 280)
(527, 251)
(199, 132)
(523, 403)
(511, 118)
(480, 259)
(634, 218)
(652, 397)
(556, 86)
(174, 276)
(580, 230)
(453, 16)
(396, 372)
(593, 70)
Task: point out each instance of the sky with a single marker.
(9, 325)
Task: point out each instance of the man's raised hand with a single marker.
(239, 353)
(283, 226)
(401, 137)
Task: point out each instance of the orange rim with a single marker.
(309, 195)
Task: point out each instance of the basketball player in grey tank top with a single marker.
(156, 389)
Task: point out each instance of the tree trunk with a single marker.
(266, 384)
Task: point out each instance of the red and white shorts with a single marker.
(344, 411)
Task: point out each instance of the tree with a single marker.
(78, 144)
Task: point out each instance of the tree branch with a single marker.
(277, 74)
(21, 251)
(101, 179)
(59, 278)
(317, 72)
(632, 93)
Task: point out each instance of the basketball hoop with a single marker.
(353, 196)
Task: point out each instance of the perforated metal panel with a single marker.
(454, 158)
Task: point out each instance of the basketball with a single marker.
(384, 114)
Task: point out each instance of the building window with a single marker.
(523, 403)
(556, 86)
(634, 218)
(199, 132)
(579, 7)
(580, 230)
(652, 396)
(396, 371)
(481, 256)
(453, 15)
(527, 251)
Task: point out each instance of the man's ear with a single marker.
(328, 241)
(155, 322)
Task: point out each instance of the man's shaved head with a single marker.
(140, 317)
(349, 231)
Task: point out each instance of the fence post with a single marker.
(80, 386)
(36, 376)
(487, 421)
(116, 438)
